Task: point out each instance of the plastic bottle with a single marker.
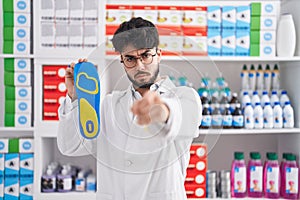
(267, 78)
(284, 98)
(275, 78)
(255, 175)
(206, 117)
(246, 99)
(227, 117)
(248, 116)
(283, 161)
(244, 76)
(255, 99)
(202, 89)
(259, 78)
(64, 180)
(80, 182)
(290, 178)
(91, 183)
(258, 116)
(288, 116)
(204, 98)
(274, 98)
(252, 78)
(272, 176)
(277, 116)
(268, 116)
(214, 101)
(223, 102)
(238, 176)
(237, 117)
(265, 98)
(217, 118)
(234, 100)
(182, 80)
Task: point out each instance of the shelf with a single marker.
(16, 56)
(230, 198)
(66, 196)
(16, 132)
(248, 131)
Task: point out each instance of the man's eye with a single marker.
(129, 59)
(147, 55)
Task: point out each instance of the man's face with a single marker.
(141, 66)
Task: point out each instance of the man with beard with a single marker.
(146, 131)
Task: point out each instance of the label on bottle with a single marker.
(238, 121)
(216, 120)
(272, 180)
(256, 176)
(240, 179)
(227, 120)
(206, 121)
(291, 180)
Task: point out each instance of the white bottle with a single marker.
(268, 116)
(267, 78)
(274, 98)
(275, 78)
(277, 115)
(258, 116)
(246, 99)
(255, 99)
(249, 116)
(265, 98)
(259, 78)
(244, 77)
(91, 183)
(252, 78)
(286, 36)
(284, 98)
(288, 116)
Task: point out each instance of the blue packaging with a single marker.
(228, 43)
(214, 42)
(242, 43)
(214, 17)
(2, 163)
(26, 164)
(1, 187)
(12, 166)
(11, 188)
(243, 17)
(26, 188)
(228, 17)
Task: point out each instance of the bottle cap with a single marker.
(290, 157)
(255, 92)
(248, 104)
(255, 155)
(267, 67)
(257, 103)
(265, 92)
(252, 67)
(276, 103)
(283, 92)
(245, 67)
(287, 103)
(238, 155)
(267, 103)
(274, 92)
(259, 67)
(275, 66)
(234, 94)
(272, 156)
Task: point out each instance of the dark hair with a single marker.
(137, 32)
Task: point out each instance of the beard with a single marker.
(144, 84)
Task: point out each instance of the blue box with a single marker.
(26, 164)
(214, 42)
(12, 166)
(243, 17)
(242, 43)
(228, 43)
(26, 188)
(11, 188)
(214, 17)
(2, 163)
(228, 17)
(1, 187)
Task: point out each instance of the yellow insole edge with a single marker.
(88, 118)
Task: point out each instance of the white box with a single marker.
(22, 120)
(91, 10)
(22, 65)
(26, 187)
(109, 48)
(26, 145)
(269, 8)
(22, 78)
(26, 164)
(117, 14)
(243, 17)
(214, 42)
(23, 93)
(147, 12)
(267, 37)
(23, 106)
(242, 43)
(76, 34)
(12, 164)
(171, 44)
(194, 45)
(214, 17)
(194, 16)
(3, 146)
(76, 10)
(1, 187)
(169, 16)
(90, 35)
(47, 10)
(267, 50)
(228, 43)
(47, 38)
(228, 17)
(268, 23)
(62, 10)
(22, 47)
(22, 20)
(62, 35)
(22, 6)
(11, 188)
(2, 164)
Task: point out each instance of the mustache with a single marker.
(141, 73)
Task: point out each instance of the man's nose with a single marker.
(139, 63)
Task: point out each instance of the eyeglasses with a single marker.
(131, 61)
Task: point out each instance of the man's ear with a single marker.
(159, 54)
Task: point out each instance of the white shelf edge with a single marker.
(10, 132)
(248, 131)
(16, 129)
(16, 56)
(67, 195)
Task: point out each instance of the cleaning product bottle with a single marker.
(259, 78)
(91, 183)
(275, 78)
(283, 98)
(255, 98)
(248, 117)
(252, 78)
(255, 175)
(238, 176)
(265, 98)
(227, 118)
(246, 99)
(290, 178)
(206, 117)
(274, 98)
(268, 116)
(258, 116)
(272, 176)
(204, 98)
(282, 164)
(277, 115)
(267, 78)
(217, 118)
(234, 100)
(288, 115)
(223, 102)
(244, 76)
(237, 117)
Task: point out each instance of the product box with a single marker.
(214, 17)
(243, 17)
(197, 164)
(16, 47)
(228, 43)
(195, 44)
(169, 17)
(16, 33)
(194, 177)
(47, 10)
(90, 35)
(47, 38)
(267, 50)
(75, 34)
(263, 23)
(61, 10)
(228, 17)
(1, 187)
(109, 48)
(16, 19)
(263, 37)
(170, 42)
(62, 34)
(11, 188)
(3, 145)
(17, 78)
(242, 43)
(17, 65)
(198, 150)
(26, 145)
(195, 191)
(76, 10)
(18, 93)
(26, 164)
(214, 42)
(18, 106)
(2, 164)
(145, 11)
(91, 10)
(12, 166)
(17, 6)
(194, 18)
(265, 8)
(26, 188)
(117, 14)
(13, 146)
(17, 120)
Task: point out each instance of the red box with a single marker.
(198, 164)
(195, 177)
(195, 191)
(199, 150)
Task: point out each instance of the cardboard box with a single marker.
(76, 10)
(16, 33)
(243, 17)
(3, 146)
(214, 17)
(214, 42)
(263, 37)
(195, 44)
(17, 79)
(194, 18)
(2, 163)
(13, 146)
(61, 10)
(17, 6)
(117, 14)
(17, 120)
(26, 164)
(16, 19)
(199, 150)
(91, 10)
(90, 35)
(194, 177)
(169, 17)
(26, 145)
(17, 64)
(264, 9)
(18, 106)
(18, 93)
(47, 10)
(16, 47)
(195, 191)
(267, 50)
(1, 187)
(228, 43)
(26, 188)
(11, 188)
(145, 11)
(62, 34)
(170, 42)
(47, 38)
(242, 43)
(12, 166)
(76, 34)
(263, 23)
(228, 17)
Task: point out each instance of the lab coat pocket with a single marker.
(104, 196)
(162, 196)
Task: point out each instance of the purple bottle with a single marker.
(290, 178)
(283, 161)
(65, 180)
(255, 175)
(238, 176)
(48, 182)
(272, 176)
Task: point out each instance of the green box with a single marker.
(9, 64)
(254, 50)
(8, 33)
(10, 106)
(255, 9)
(255, 23)
(8, 5)
(10, 93)
(8, 47)
(9, 78)
(255, 37)
(8, 19)
(13, 145)
(9, 120)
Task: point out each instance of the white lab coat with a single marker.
(137, 163)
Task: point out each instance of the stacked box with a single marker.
(195, 183)
(263, 29)
(243, 15)
(170, 41)
(54, 90)
(18, 101)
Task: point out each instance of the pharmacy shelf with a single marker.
(16, 132)
(67, 196)
(248, 131)
(229, 199)
(16, 56)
